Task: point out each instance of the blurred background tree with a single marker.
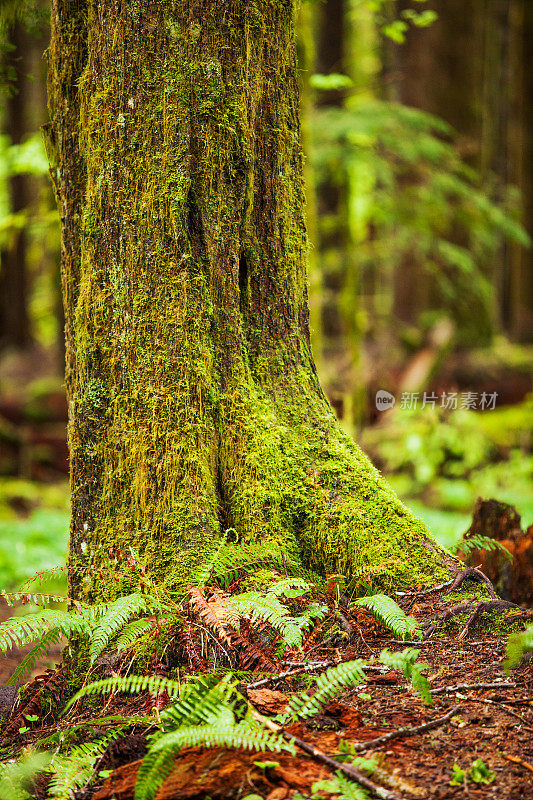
(419, 148)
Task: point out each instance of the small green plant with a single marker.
(16, 776)
(74, 769)
(341, 787)
(458, 776)
(477, 773)
(407, 662)
(518, 645)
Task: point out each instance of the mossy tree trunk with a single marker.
(194, 401)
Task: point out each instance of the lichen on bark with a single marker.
(194, 401)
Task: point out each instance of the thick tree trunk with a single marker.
(194, 401)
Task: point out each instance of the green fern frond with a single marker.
(420, 683)
(406, 661)
(204, 573)
(348, 790)
(19, 631)
(52, 573)
(117, 615)
(132, 684)
(47, 640)
(312, 612)
(72, 770)
(37, 598)
(238, 735)
(159, 761)
(132, 631)
(154, 770)
(256, 606)
(266, 607)
(201, 702)
(329, 684)
(204, 714)
(478, 542)
(387, 611)
(290, 587)
(402, 660)
(232, 559)
(518, 645)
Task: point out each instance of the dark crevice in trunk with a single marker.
(244, 291)
(195, 226)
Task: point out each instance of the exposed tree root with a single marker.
(451, 585)
(475, 574)
(488, 606)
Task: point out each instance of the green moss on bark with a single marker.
(194, 401)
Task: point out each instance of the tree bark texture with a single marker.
(195, 406)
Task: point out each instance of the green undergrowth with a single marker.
(260, 612)
(441, 461)
(188, 656)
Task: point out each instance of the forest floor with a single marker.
(479, 712)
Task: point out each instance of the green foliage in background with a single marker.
(16, 776)
(432, 446)
(445, 460)
(40, 221)
(38, 541)
(412, 198)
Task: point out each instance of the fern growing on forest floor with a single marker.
(387, 611)
(210, 712)
(479, 542)
(210, 624)
(97, 625)
(205, 712)
(74, 769)
(254, 624)
(407, 662)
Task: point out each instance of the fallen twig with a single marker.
(297, 671)
(422, 592)
(461, 686)
(347, 769)
(407, 731)
(517, 760)
(526, 701)
(304, 667)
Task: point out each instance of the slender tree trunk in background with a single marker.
(306, 37)
(194, 401)
(332, 196)
(14, 317)
(344, 45)
(520, 137)
(470, 67)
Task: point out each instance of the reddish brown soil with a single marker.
(492, 724)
